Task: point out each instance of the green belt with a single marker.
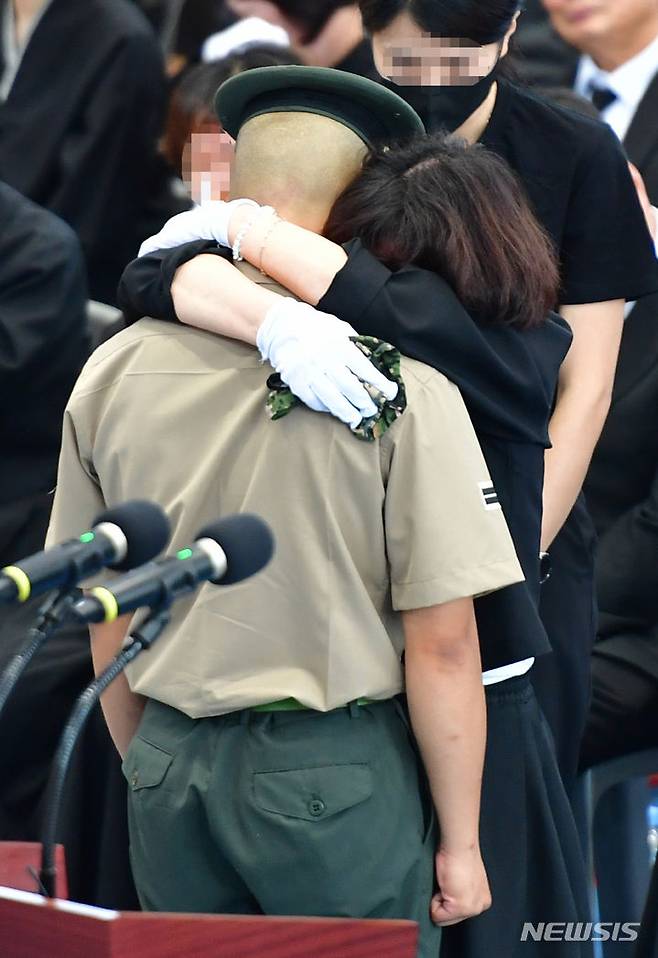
(292, 705)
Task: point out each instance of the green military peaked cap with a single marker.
(373, 112)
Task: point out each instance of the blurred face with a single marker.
(583, 22)
(408, 56)
(207, 161)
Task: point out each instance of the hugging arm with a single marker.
(172, 281)
(583, 401)
(145, 287)
(312, 351)
(413, 309)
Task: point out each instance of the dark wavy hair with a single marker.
(459, 211)
(484, 21)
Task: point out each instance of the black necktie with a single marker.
(602, 98)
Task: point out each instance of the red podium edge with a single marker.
(20, 863)
(32, 926)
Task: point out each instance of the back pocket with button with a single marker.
(145, 765)
(312, 794)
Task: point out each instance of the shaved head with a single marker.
(298, 163)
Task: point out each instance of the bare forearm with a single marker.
(209, 293)
(122, 708)
(448, 716)
(302, 261)
(584, 393)
(123, 712)
(575, 429)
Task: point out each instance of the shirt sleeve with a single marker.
(607, 251)
(445, 531)
(78, 497)
(145, 287)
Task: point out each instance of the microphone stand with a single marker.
(51, 615)
(146, 635)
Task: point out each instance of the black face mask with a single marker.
(445, 107)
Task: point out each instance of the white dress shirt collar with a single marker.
(629, 82)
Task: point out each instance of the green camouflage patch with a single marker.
(386, 359)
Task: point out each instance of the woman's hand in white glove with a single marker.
(210, 221)
(313, 354)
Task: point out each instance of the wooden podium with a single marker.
(36, 927)
(20, 863)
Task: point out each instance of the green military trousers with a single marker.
(282, 813)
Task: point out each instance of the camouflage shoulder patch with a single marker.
(386, 359)
(280, 399)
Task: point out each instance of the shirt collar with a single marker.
(630, 81)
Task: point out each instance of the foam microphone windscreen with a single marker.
(145, 527)
(247, 542)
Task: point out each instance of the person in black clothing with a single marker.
(43, 344)
(82, 97)
(577, 179)
(507, 378)
(44, 341)
(325, 33)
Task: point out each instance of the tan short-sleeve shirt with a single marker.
(363, 529)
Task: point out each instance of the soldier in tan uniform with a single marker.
(272, 769)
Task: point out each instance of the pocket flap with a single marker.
(145, 765)
(313, 794)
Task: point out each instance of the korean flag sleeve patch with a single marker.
(489, 495)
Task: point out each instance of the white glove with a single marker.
(210, 221)
(313, 354)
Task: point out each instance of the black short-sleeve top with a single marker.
(576, 175)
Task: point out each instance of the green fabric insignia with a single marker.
(386, 359)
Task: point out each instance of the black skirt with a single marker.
(528, 836)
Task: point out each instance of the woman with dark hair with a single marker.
(458, 212)
(446, 58)
(433, 218)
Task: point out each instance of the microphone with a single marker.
(227, 551)
(121, 538)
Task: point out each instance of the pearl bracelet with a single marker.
(242, 234)
(276, 222)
